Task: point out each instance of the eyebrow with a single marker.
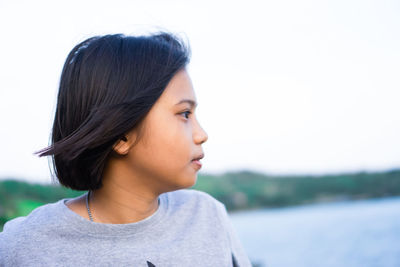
(189, 101)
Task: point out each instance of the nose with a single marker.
(200, 136)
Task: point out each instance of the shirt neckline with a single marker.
(87, 227)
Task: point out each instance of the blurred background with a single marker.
(299, 100)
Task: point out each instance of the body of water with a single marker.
(357, 233)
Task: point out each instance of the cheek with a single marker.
(174, 146)
(165, 155)
(167, 146)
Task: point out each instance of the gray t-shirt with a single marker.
(189, 228)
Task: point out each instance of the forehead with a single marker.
(179, 90)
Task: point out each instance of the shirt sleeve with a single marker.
(239, 256)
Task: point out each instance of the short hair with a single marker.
(107, 86)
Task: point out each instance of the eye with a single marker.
(187, 112)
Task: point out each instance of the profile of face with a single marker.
(171, 139)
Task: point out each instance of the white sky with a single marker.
(284, 87)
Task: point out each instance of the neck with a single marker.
(120, 200)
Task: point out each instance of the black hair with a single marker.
(107, 86)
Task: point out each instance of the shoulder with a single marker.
(22, 229)
(195, 200)
(185, 196)
(37, 218)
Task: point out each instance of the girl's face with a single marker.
(172, 139)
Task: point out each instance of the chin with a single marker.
(193, 182)
(187, 182)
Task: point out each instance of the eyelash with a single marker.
(189, 112)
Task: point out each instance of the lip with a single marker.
(197, 164)
(199, 157)
(196, 161)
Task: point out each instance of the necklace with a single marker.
(87, 207)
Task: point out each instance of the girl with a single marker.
(125, 130)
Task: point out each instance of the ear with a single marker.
(123, 145)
